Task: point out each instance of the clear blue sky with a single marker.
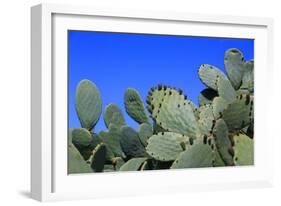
(116, 61)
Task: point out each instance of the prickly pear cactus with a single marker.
(206, 119)
(172, 110)
(166, 146)
(84, 141)
(76, 161)
(88, 104)
(145, 132)
(248, 77)
(217, 133)
(133, 164)
(223, 142)
(219, 105)
(239, 113)
(209, 75)
(130, 143)
(225, 89)
(113, 115)
(135, 107)
(243, 150)
(98, 158)
(112, 140)
(198, 155)
(234, 65)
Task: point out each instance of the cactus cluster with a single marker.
(173, 132)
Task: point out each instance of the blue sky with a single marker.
(116, 61)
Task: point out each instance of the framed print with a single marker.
(126, 99)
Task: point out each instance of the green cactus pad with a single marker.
(219, 105)
(88, 104)
(223, 142)
(206, 118)
(225, 90)
(113, 115)
(208, 75)
(172, 111)
(109, 154)
(206, 96)
(196, 156)
(243, 150)
(130, 143)
(133, 164)
(135, 107)
(112, 140)
(248, 77)
(98, 158)
(239, 114)
(166, 146)
(76, 163)
(81, 137)
(84, 142)
(145, 131)
(234, 65)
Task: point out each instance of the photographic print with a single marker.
(150, 102)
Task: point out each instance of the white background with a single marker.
(15, 101)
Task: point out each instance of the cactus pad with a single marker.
(223, 142)
(219, 105)
(76, 163)
(133, 164)
(206, 118)
(135, 107)
(234, 65)
(130, 143)
(112, 140)
(239, 114)
(196, 156)
(172, 111)
(84, 142)
(166, 146)
(208, 75)
(145, 131)
(81, 137)
(88, 104)
(225, 90)
(248, 77)
(98, 158)
(243, 150)
(113, 115)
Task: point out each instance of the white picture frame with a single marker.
(49, 179)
